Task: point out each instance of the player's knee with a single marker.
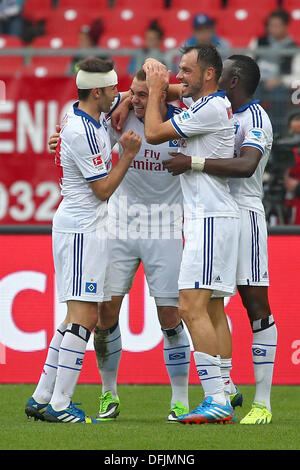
(108, 314)
(257, 307)
(168, 316)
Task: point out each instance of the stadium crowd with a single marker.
(158, 28)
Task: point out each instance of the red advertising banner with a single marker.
(29, 314)
(29, 190)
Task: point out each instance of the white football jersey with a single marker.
(252, 128)
(207, 130)
(84, 154)
(149, 199)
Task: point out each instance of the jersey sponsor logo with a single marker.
(175, 356)
(79, 361)
(229, 112)
(91, 287)
(202, 372)
(259, 352)
(257, 134)
(174, 143)
(97, 161)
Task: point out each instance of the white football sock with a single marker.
(108, 348)
(45, 386)
(209, 372)
(263, 354)
(229, 387)
(70, 360)
(177, 356)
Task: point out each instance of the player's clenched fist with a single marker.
(131, 143)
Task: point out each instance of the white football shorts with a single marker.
(161, 261)
(252, 266)
(209, 259)
(81, 266)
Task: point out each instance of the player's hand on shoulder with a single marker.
(53, 140)
(131, 142)
(178, 164)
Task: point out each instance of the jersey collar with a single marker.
(246, 106)
(221, 93)
(81, 113)
(170, 113)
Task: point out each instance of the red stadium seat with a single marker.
(47, 66)
(113, 42)
(176, 22)
(68, 21)
(145, 4)
(37, 10)
(290, 4)
(172, 41)
(241, 22)
(8, 41)
(56, 41)
(88, 4)
(201, 6)
(126, 20)
(10, 65)
(267, 5)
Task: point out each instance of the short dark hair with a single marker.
(208, 55)
(154, 26)
(93, 64)
(141, 75)
(283, 15)
(247, 70)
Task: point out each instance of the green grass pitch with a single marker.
(142, 424)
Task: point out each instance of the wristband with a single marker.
(197, 163)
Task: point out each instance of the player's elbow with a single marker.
(247, 170)
(102, 195)
(152, 138)
(247, 173)
(101, 190)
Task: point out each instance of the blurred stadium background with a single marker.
(41, 42)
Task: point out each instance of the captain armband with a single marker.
(197, 163)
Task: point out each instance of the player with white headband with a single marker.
(80, 235)
(145, 214)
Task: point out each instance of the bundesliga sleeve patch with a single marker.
(184, 116)
(97, 161)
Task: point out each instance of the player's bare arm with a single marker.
(120, 114)
(105, 187)
(157, 131)
(242, 167)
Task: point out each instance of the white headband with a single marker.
(89, 80)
